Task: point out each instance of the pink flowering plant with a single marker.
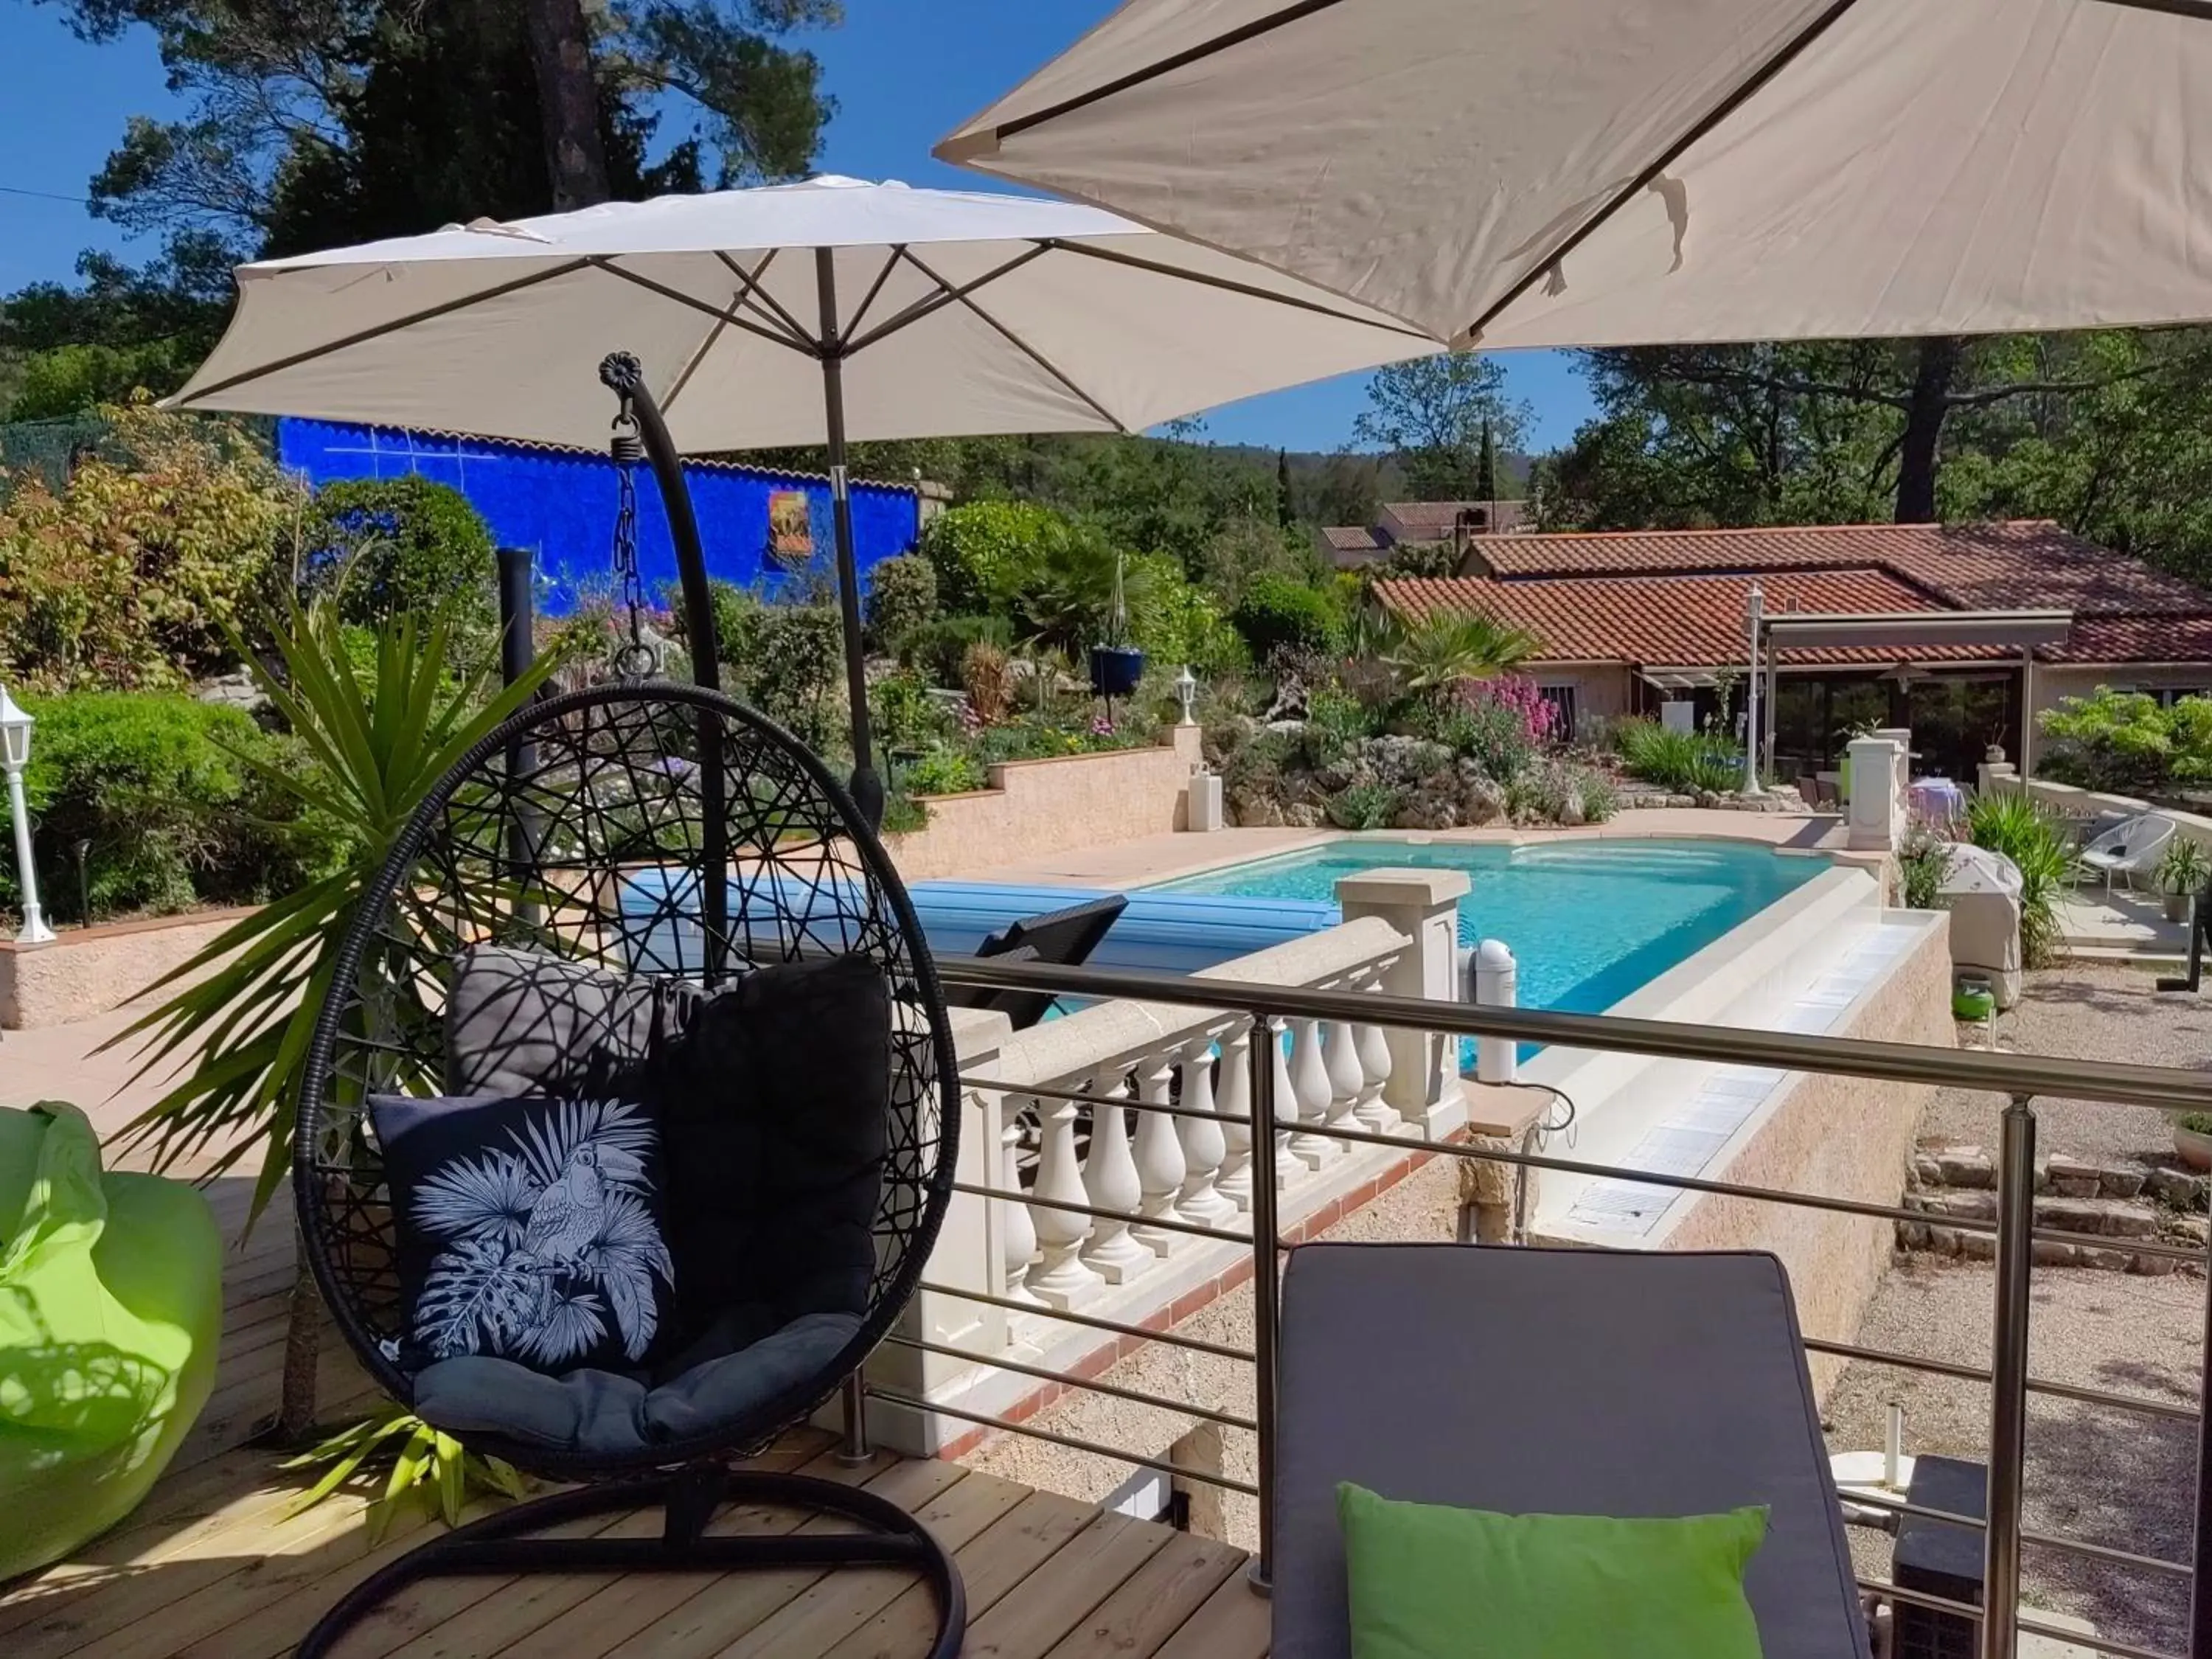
(1517, 694)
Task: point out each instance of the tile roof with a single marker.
(1432, 521)
(1352, 539)
(2020, 564)
(2161, 638)
(1688, 621)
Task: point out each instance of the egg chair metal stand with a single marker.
(663, 835)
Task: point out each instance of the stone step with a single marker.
(2116, 1226)
(2062, 1175)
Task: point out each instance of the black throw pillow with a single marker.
(527, 1229)
(775, 1101)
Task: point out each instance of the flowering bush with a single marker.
(1541, 720)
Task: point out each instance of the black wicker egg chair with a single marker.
(639, 891)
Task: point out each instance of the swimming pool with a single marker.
(1589, 921)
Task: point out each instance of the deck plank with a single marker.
(1156, 1602)
(1039, 1612)
(1236, 1623)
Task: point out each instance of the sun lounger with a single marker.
(1063, 937)
(1554, 1382)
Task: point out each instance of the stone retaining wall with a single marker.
(89, 970)
(1038, 807)
(2117, 1201)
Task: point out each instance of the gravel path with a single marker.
(2105, 1476)
(2087, 1012)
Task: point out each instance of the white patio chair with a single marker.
(2127, 850)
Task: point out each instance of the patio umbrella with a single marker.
(816, 313)
(1615, 173)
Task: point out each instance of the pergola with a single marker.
(1902, 632)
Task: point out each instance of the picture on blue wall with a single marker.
(758, 525)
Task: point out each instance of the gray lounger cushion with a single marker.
(1554, 1382)
(593, 1411)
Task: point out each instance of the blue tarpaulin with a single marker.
(560, 504)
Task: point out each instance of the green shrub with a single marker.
(165, 791)
(1277, 611)
(1365, 806)
(986, 554)
(737, 623)
(902, 597)
(906, 715)
(939, 649)
(797, 670)
(1924, 859)
(1686, 763)
(1256, 768)
(386, 546)
(1600, 800)
(2021, 829)
(1174, 622)
(1335, 725)
(2124, 741)
(943, 771)
(2185, 869)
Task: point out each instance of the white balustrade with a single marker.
(1062, 1278)
(1161, 1165)
(1235, 1103)
(1309, 1083)
(1346, 1079)
(1109, 1176)
(1017, 1236)
(1205, 1143)
(1372, 1046)
(1287, 1101)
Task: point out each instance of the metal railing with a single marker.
(2022, 1079)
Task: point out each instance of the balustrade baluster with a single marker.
(1018, 1235)
(1310, 1084)
(1345, 1078)
(1205, 1144)
(1286, 1103)
(1235, 1184)
(1109, 1176)
(1062, 1278)
(1371, 1045)
(1161, 1165)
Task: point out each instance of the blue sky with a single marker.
(903, 72)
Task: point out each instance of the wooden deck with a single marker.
(211, 1567)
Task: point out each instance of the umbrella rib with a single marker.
(1742, 94)
(691, 365)
(1235, 37)
(606, 263)
(383, 328)
(1090, 250)
(946, 294)
(891, 263)
(1016, 340)
(761, 297)
(2199, 9)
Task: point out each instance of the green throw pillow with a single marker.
(1427, 1582)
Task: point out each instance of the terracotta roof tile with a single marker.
(1689, 621)
(1351, 538)
(2023, 564)
(1432, 521)
(2159, 638)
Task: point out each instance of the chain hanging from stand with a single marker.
(635, 657)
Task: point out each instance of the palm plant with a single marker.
(1440, 651)
(378, 735)
(2023, 831)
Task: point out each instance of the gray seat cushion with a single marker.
(520, 1023)
(1554, 1382)
(602, 1412)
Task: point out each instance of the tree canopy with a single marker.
(1437, 417)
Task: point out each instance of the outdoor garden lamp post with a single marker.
(1186, 690)
(15, 755)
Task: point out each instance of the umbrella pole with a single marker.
(868, 788)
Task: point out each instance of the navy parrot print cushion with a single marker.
(528, 1229)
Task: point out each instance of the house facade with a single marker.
(1633, 620)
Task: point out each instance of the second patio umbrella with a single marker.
(817, 313)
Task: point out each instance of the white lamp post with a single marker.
(15, 755)
(1756, 604)
(1186, 690)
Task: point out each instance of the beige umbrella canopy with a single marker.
(1546, 173)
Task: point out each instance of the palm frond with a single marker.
(484, 1198)
(547, 1139)
(571, 1323)
(478, 1291)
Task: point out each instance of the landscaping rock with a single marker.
(1304, 814)
(2124, 1179)
(2189, 1230)
(2072, 1215)
(1480, 800)
(1978, 1247)
(1974, 1206)
(2073, 1177)
(2153, 1266)
(2130, 1221)
(1926, 1172)
(1428, 809)
(1966, 1166)
(2182, 1189)
(2105, 1261)
(1255, 811)
(1571, 810)
(2048, 1253)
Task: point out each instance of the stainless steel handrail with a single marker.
(2021, 1078)
(1895, 1062)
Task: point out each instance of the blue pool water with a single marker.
(1588, 921)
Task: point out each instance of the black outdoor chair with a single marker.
(1064, 939)
(497, 952)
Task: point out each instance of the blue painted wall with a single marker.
(560, 505)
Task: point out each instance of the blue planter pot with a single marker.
(1115, 670)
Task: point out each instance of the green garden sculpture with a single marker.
(111, 1307)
